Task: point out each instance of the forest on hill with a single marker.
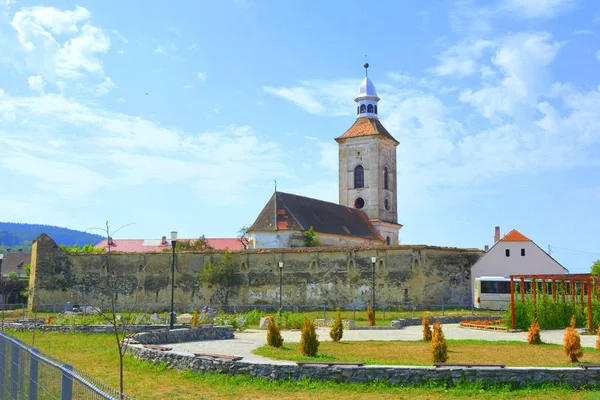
(15, 236)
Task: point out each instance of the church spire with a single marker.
(367, 98)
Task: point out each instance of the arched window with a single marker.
(385, 178)
(388, 241)
(386, 204)
(370, 108)
(363, 108)
(359, 177)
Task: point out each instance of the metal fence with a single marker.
(26, 373)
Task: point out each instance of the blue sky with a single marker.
(179, 116)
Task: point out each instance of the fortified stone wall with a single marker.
(338, 277)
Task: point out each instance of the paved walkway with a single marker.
(246, 341)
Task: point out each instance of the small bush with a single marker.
(309, 344)
(598, 340)
(439, 348)
(573, 322)
(337, 329)
(572, 344)
(289, 320)
(253, 317)
(426, 329)
(534, 333)
(370, 316)
(274, 338)
(195, 319)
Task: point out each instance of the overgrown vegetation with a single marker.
(337, 329)
(221, 273)
(533, 337)
(274, 338)
(439, 348)
(427, 335)
(309, 344)
(311, 239)
(86, 248)
(200, 244)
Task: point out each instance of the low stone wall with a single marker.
(391, 374)
(328, 322)
(401, 323)
(193, 334)
(20, 327)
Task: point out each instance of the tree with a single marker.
(534, 333)
(274, 338)
(309, 344)
(337, 329)
(200, 244)
(370, 316)
(311, 238)
(596, 267)
(221, 273)
(426, 329)
(243, 236)
(439, 348)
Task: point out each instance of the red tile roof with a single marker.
(365, 126)
(515, 236)
(155, 245)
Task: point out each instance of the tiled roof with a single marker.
(14, 262)
(286, 211)
(155, 245)
(366, 126)
(515, 236)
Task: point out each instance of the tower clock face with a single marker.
(359, 203)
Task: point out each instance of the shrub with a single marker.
(598, 340)
(534, 333)
(370, 316)
(274, 338)
(439, 348)
(195, 319)
(426, 329)
(572, 344)
(253, 317)
(309, 344)
(337, 329)
(573, 322)
(289, 320)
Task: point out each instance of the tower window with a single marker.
(359, 203)
(359, 177)
(507, 252)
(388, 241)
(357, 109)
(363, 108)
(375, 108)
(370, 108)
(522, 252)
(386, 204)
(385, 178)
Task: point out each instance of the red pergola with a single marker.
(584, 280)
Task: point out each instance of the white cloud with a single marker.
(538, 8)
(119, 36)
(462, 59)
(56, 21)
(102, 89)
(598, 55)
(36, 83)
(201, 76)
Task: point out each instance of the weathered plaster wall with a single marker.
(336, 276)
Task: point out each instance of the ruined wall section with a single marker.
(334, 276)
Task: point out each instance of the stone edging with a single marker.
(20, 327)
(193, 334)
(401, 323)
(409, 375)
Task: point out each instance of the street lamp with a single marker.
(373, 261)
(173, 244)
(280, 282)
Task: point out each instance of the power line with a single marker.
(551, 247)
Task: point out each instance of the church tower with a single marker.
(367, 165)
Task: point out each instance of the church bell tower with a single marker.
(367, 165)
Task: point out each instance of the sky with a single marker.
(160, 116)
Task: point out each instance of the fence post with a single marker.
(442, 309)
(324, 312)
(14, 371)
(66, 387)
(413, 311)
(33, 374)
(2, 363)
(384, 313)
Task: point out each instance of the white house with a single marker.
(514, 254)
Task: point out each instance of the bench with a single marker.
(330, 363)
(156, 347)
(589, 366)
(222, 356)
(438, 365)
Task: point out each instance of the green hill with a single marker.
(14, 236)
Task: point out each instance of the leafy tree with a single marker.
(200, 244)
(311, 238)
(596, 267)
(243, 236)
(221, 273)
(13, 275)
(86, 248)
(27, 268)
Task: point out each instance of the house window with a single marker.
(359, 177)
(370, 108)
(522, 252)
(359, 203)
(385, 178)
(388, 241)
(363, 108)
(507, 252)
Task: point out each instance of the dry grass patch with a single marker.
(418, 353)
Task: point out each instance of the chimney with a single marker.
(110, 241)
(163, 240)
(497, 234)
(486, 248)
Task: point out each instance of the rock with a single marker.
(156, 319)
(263, 323)
(89, 310)
(140, 320)
(184, 318)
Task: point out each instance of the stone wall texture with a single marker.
(390, 374)
(184, 335)
(332, 276)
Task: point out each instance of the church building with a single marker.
(367, 213)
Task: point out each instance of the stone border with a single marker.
(409, 375)
(401, 323)
(194, 334)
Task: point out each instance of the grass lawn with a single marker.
(418, 353)
(96, 355)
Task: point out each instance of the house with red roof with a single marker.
(514, 254)
(164, 244)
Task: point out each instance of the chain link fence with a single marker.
(26, 373)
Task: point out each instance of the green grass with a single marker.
(96, 355)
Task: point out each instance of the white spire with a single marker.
(367, 98)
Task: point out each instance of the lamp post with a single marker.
(280, 284)
(373, 261)
(173, 244)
